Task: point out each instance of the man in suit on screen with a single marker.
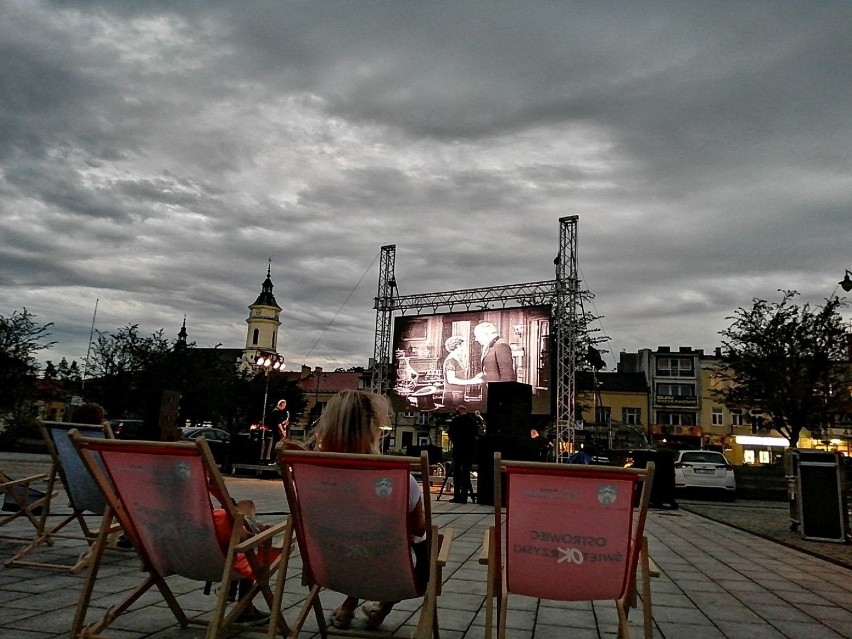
(497, 362)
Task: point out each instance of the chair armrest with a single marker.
(486, 541)
(445, 540)
(22, 481)
(262, 537)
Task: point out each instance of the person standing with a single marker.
(541, 445)
(497, 362)
(463, 433)
(275, 429)
(279, 421)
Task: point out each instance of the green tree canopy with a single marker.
(21, 337)
(789, 362)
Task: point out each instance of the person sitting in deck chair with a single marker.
(351, 423)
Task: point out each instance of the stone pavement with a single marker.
(716, 582)
(771, 520)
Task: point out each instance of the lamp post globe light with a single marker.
(846, 282)
(267, 361)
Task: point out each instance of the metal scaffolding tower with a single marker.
(563, 294)
(384, 314)
(565, 317)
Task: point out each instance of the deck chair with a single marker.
(571, 533)
(21, 501)
(350, 521)
(84, 497)
(174, 507)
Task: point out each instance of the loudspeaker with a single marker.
(514, 447)
(509, 408)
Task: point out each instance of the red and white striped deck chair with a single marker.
(350, 518)
(84, 497)
(570, 533)
(174, 507)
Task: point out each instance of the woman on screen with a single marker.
(457, 371)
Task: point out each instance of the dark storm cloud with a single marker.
(154, 156)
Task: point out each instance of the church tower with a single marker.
(263, 322)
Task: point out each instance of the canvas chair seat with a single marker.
(566, 532)
(84, 497)
(175, 508)
(350, 519)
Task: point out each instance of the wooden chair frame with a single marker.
(358, 474)
(28, 502)
(82, 492)
(192, 530)
(552, 483)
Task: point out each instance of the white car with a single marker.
(705, 470)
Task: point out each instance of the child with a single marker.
(351, 423)
(240, 587)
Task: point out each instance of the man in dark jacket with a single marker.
(463, 433)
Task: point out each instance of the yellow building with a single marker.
(614, 410)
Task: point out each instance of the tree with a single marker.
(127, 366)
(131, 371)
(788, 362)
(50, 371)
(21, 337)
(73, 374)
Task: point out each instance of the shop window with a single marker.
(764, 457)
(748, 456)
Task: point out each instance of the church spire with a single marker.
(266, 298)
(263, 322)
(182, 335)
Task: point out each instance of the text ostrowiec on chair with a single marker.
(569, 533)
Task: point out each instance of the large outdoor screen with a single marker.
(447, 359)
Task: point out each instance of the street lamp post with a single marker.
(265, 397)
(315, 409)
(267, 362)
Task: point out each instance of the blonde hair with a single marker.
(453, 342)
(351, 423)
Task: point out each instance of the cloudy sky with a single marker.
(154, 155)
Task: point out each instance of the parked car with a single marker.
(705, 470)
(217, 439)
